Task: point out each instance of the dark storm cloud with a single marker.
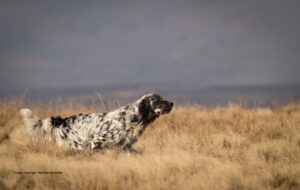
(193, 43)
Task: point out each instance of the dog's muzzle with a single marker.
(168, 107)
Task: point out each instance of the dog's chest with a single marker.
(132, 133)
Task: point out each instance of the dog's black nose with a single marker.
(171, 104)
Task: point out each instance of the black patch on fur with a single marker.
(71, 119)
(107, 123)
(76, 144)
(98, 145)
(58, 121)
(121, 142)
(134, 118)
(64, 136)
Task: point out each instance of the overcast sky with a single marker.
(192, 43)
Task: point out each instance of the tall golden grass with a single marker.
(193, 147)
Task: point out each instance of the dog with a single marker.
(119, 128)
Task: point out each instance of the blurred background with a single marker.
(191, 51)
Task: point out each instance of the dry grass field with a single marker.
(194, 147)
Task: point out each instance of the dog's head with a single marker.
(151, 106)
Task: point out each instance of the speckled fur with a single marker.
(119, 128)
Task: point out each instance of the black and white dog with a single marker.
(119, 128)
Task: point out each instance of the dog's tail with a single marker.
(31, 122)
(34, 125)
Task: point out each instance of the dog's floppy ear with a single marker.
(146, 111)
(144, 107)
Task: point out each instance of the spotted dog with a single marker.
(119, 128)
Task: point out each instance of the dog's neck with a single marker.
(136, 116)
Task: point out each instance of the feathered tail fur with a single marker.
(35, 126)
